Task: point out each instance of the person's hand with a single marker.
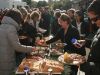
(80, 43)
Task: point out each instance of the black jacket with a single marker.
(84, 28)
(72, 32)
(94, 55)
(29, 31)
(55, 26)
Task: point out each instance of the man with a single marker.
(92, 66)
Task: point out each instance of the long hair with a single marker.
(81, 14)
(34, 14)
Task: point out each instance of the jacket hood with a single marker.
(10, 21)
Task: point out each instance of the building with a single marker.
(11, 3)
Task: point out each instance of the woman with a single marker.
(66, 34)
(21, 33)
(92, 66)
(71, 13)
(9, 42)
(55, 26)
(81, 24)
(29, 29)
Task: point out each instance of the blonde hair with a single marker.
(34, 14)
(27, 18)
(24, 12)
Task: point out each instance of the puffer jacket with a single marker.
(9, 42)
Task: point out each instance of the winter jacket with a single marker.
(9, 42)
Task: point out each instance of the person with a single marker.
(92, 66)
(9, 42)
(23, 41)
(66, 34)
(54, 25)
(81, 24)
(45, 20)
(71, 13)
(29, 29)
(24, 12)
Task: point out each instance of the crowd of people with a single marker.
(41, 22)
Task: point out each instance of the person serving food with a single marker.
(66, 34)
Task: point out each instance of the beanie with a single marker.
(15, 15)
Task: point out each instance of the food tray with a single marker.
(35, 60)
(36, 72)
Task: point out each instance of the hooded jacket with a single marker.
(9, 42)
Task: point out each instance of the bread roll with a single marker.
(67, 58)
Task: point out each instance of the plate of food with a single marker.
(71, 59)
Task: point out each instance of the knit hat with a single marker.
(15, 15)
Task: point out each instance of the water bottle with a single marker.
(50, 71)
(26, 70)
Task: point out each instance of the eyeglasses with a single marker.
(95, 18)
